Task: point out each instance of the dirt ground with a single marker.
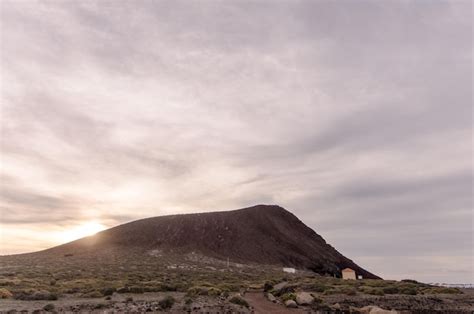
(258, 304)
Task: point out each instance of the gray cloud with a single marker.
(355, 115)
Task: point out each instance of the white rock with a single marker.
(291, 304)
(304, 298)
(271, 297)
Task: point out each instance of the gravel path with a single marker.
(262, 306)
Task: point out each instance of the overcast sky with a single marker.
(354, 115)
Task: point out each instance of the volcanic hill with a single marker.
(262, 234)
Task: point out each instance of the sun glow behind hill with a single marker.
(83, 230)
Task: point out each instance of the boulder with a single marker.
(271, 297)
(291, 304)
(304, 298)
(282, 288)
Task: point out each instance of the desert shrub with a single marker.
(5, 294)
(288, 296)
(447, 290)
(136, 289)
(408, 291)
(267, 286)
(7, 282)
(188, 301)
(372, 290)
(376, 283)
(229, 287)
(347, 290)
(282, 291)
(35, 295)
(410, 281)
(92, 294)
(213, 291)
(49, 307)
(316, 287)
(167, 302)
(331, 291)
(193, 291)
(390, 290)
(108, 291)
(123, 290)
(239, 301)
(168, 287)
(129, 299)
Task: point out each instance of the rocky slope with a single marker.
(261, 234)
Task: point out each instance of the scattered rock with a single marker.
(336, 306)
(280, 286)
(271, 297)
(304, 298)
(291, 304)
(372, 309)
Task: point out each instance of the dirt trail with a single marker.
(262, 306)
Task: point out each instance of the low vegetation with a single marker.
(84, 277)
(239, 301)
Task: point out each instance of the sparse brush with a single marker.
(49, 307)
(239, 301)
(167, 302)
(390, 290)
(288, 296)
(372, 290)
(5, 294)
(408, 291)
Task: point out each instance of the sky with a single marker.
(354, 115)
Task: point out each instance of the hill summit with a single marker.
(262, 234)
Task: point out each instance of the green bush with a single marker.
(390, 290)
(167, 302)
(239, 301)
(316, 287)
(372, 290)
(348, 290)
(213, 291)
(408, 291)
(288, 296)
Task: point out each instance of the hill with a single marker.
(262, 234)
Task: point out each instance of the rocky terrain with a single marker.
(225, 262)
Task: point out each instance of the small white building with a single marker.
(348, 273)
(289, 270)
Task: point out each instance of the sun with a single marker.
(82, 230)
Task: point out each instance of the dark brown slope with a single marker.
(261, 234)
